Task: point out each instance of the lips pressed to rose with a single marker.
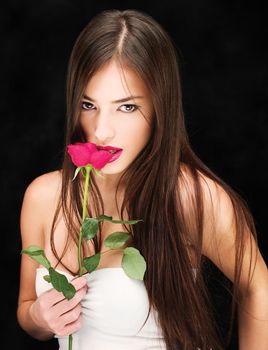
(86, 153)
(115, 151)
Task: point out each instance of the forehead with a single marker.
(114, 82)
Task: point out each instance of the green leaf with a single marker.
(92, 262)
(133, 263)
(104, 218)
(89, 228)
(61, 283)
(130, 222)
(37, 254)
(110, 218)
(47, 278)
(116, 240)
(76, 172)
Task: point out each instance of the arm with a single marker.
(50, 313)
(218, 246)
(253, 311)
(253, 327)
(31, 222)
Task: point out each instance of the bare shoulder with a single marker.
(222, 213)
(217, 203)
(39, 201)
(212, 192)
(208, 185)
(38, 204)
(44, 187)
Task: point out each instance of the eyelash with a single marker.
(89, 109)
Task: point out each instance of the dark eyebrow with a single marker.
(116, 101)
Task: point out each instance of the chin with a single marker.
(117, 167)
(111, 170)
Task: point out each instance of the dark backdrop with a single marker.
(223, 50)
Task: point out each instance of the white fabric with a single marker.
(114, 309)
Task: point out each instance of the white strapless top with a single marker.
(113, 311)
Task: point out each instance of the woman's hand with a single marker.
(52, 312)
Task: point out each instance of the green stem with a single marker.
(88, 169)
(70, 346)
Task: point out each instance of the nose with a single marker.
(104, 131)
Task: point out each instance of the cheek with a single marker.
(140, 127)
(144, 132)
(85, 126)
(132, 134)
(137, 134)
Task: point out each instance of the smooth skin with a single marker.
(108, 123)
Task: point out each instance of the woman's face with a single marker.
(106, 121)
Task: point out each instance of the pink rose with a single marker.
(87, 153)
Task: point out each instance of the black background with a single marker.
(223, 51)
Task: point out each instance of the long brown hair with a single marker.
(153, 182)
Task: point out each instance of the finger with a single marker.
(71, 316)
(79, 282)
(53, 296)
(71, 328)
(66, 305)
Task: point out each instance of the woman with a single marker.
(123, 90)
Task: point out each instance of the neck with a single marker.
(107, 183)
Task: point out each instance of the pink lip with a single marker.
(115, 156)
(108, 148)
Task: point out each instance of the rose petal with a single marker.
(92, 148)
(100, 158)
(79, 154)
